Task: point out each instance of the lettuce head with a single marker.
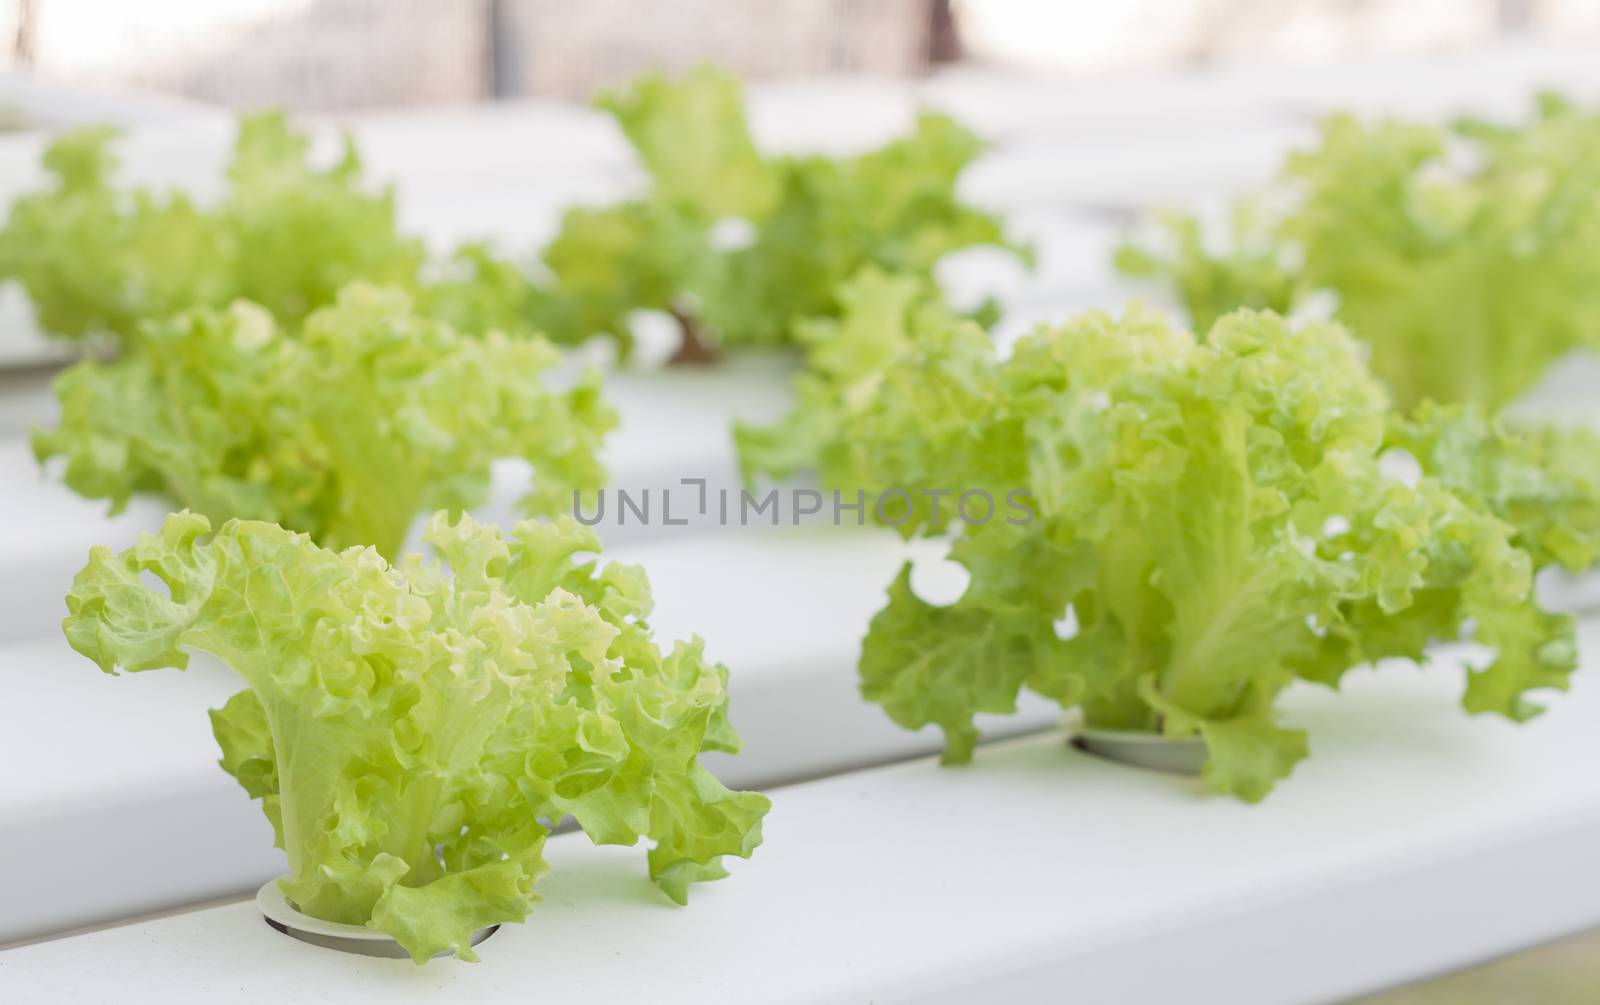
(413, 731)
(1207, 521)
(346, 429)
(1467, 257)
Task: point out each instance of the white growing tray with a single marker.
(1414, 840)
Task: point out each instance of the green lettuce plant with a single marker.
(1467, 257)
(99, 258)
(345, 429)
(414, 733)
(1189, 526)
(739, 245)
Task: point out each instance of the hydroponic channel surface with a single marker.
(1416, 839)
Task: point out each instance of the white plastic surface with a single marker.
(1415, 839)
(1166, 166)
(1494, 81)
(111, 801)
(46, 532)
(45, 104)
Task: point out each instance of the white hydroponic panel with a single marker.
(1415, 839)
(1130, 174)
(38, 103)
(1496, 80)
(46, 532)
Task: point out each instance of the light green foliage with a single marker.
(414, 734)
(1468, 257)
(345, 430)
(1215, 517)
(692, 137)
(812, 222)
(477, 291)
(1543, 481)
(94, 259)
(296, 235)
(611, 261)
(98, 258)
(1250, 271)
(850, 355)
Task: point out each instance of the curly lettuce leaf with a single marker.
(891, 387)
(345, 431)
(1466, 257)
(693, 139)
(848, 355)
(926, 664)
(415, 731)
(1213, 518)
(741, 245)
(1543, 481)
(612, 261)
(1249, 271)
(298, 234)
(475, 290)
(894, 208)
(96, 258)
